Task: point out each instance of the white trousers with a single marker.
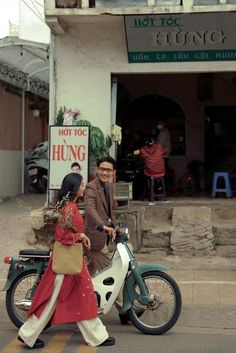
(93, 330)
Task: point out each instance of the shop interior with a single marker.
(199, 111)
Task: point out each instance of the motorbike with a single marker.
(147, 288)
(37, 167)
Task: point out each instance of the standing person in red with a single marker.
(66, 298)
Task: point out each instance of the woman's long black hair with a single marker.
(69, 186)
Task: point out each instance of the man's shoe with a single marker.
(110, 341)
(124, 318)
(38, 344)
(139, 312)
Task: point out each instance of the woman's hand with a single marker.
(85, 240)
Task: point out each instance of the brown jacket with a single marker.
(97, 213)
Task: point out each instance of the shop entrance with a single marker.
(200, 113)
(141, 119)
(220, 136)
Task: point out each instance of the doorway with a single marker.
(220, 137)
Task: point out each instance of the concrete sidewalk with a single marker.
(14, 225)
(209, 298)
(208, 284)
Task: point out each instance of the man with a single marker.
(76, 168)
(99, 219)
(163, 138)
(99, 205)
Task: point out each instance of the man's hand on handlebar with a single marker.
(110, 231)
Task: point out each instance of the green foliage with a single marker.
(108, 141)
(81, 122)
(60, 116)
(99, 144)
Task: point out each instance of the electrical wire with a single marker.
(41, 18)
(38, 3)
(36, 8)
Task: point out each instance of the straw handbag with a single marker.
(67, 259)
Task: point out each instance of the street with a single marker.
(181, 339)
(207, 323)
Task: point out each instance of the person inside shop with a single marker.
(163, 138)
(152, 154)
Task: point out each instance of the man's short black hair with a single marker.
(75, 164)
(107, 159)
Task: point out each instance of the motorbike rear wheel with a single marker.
(23, 288)
(162, 313)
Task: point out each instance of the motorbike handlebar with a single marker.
(121, 234)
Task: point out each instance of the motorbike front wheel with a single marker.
(21, 291)
(164, 308)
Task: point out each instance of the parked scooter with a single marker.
(37, 167)
(146, 287)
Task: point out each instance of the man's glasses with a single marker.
(105, 170)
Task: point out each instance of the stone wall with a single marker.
(166, 229)
(192, 230)
(42, 227)
(132, 218)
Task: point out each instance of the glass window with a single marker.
(206, 2)
(120, 3)
(168, 2)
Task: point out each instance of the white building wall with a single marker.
(10, 176)
(94, 49)
(90, 52)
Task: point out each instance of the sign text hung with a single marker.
(68, 144)
(181, 37)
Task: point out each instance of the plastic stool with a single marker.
(227, 189)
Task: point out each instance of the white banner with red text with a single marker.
(68, 144)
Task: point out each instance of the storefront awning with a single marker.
(25, 65)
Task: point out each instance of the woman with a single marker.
(66, 298)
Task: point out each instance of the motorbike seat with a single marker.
(34, 253)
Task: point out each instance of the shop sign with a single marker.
(68, 144)
(181, 37)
